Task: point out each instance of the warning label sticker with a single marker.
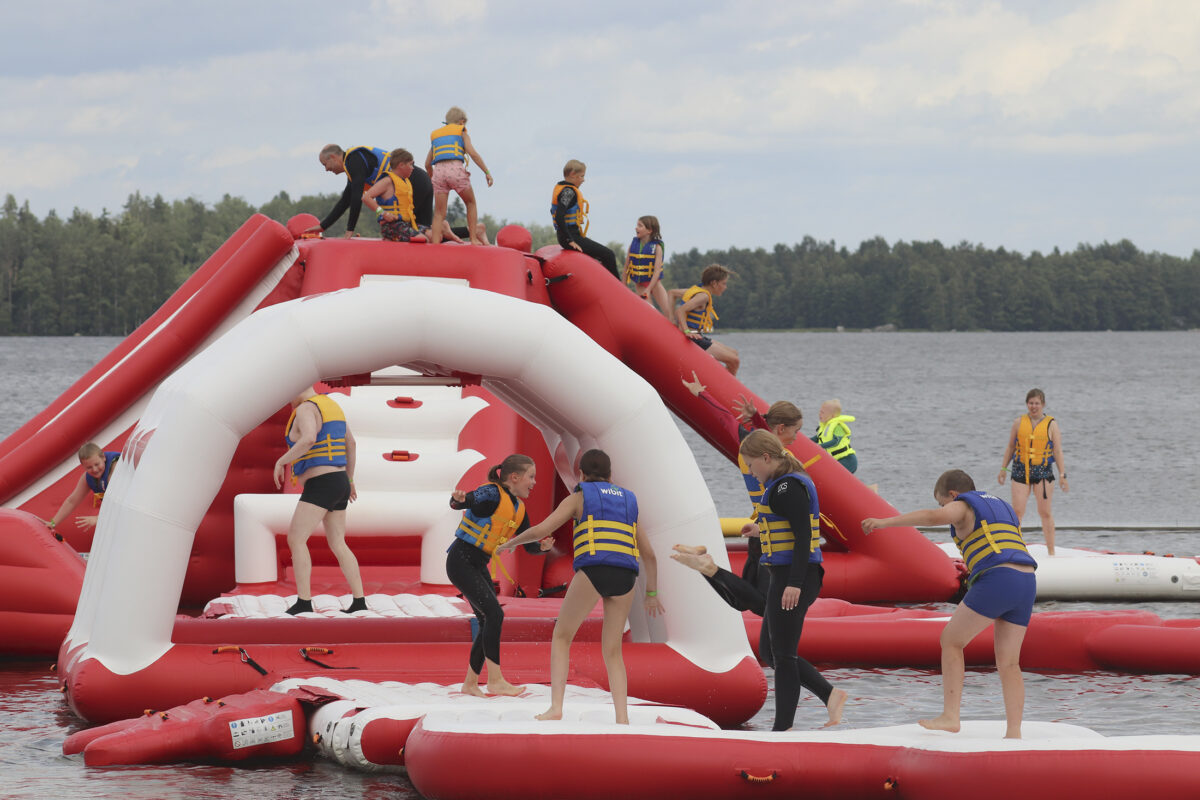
(261, 730)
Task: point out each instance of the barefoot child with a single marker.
(391, 197)
(697, 315)
(643, 264)
(447, 165)
(1001, 590)
(492, 513)
(608, 548)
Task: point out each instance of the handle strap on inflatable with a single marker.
(246, 659)
(759, 778)
(325, 651)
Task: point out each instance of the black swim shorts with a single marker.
(330, 491)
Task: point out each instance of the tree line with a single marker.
(104, 275)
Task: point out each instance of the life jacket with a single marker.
(375, 172)
(329, 450)
(641, 260)
(100, 485)
(775, 532)
(827, 432)
(488, 532)
(700, 319)
(606, 532)
(754, 486)
(447, 143)
(1034, 446)
(401, 201)
(576, 214)
(997, 536)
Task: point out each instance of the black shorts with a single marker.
(1039, 473)
(703, 342)
(330, 491)
(610, 581)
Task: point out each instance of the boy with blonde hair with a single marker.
(568, 211)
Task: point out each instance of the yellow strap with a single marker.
(811, 461)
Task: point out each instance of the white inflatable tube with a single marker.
(578, 394)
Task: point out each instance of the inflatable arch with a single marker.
(176, 458)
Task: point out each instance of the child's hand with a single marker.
(459, 496)
(653, 606)
(695, 387)
(278, 474)
(744, 409)
(86, 523)
(488, 175)
(388, 216)
(871, 524)
(574, 246)
(749, 529)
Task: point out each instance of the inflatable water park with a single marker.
(169, 622)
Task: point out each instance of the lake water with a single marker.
(1127, 404)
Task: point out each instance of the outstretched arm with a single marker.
(77, 494)
(474, 154)
(952, 513)
(570, 507)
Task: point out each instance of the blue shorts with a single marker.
(1003, 593)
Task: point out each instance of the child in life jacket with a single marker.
(833, 433)
(97, 472)
(644, 262)
(449, 147)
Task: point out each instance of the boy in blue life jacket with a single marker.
(98, 468)
(1001, 590)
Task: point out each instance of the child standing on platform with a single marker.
(450, 145)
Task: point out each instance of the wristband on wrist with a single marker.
(651, 594)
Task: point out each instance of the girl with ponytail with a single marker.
(492, 514)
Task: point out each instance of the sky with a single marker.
(1026, 124)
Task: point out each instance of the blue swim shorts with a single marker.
(1003, 593)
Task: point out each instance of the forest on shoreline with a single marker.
(104, 275)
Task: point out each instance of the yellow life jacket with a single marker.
(700, 319)
(577, 214)
(488, 532)
(401, 201)
(447, 143)
(1034, 446)
(329, 450)
(827, 432)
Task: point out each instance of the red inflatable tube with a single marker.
(40, 580)
(905, 566)
(255, 725)
(100, 695)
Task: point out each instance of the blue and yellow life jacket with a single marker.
(754, 486)
(329, 450)
(100, 485)
(641, 260)
(606, 532)
(700, 319)
(1033, 445)
(775, 532)
(488, 532)
(828, 432)
(374, 172)
(400, 202)
(447, 142)
(997, 536)
(576, 216)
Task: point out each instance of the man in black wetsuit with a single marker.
(362, 166)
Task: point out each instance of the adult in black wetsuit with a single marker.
(795, 572)
(492, 514)
(568, 209)
(362, 166)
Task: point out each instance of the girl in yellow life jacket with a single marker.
(492, 514)
(609, 550)
(1034, 447)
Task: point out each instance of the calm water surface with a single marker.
(1127, 404)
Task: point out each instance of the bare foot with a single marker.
(703, 564)
(942, 723)
(472, 689)
(505, 688)
(837, 700)
(550, 714)
(694, 549)
(1013, 734)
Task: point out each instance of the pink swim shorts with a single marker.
(451, 176)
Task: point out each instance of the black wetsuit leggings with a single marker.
(791, 671)
(756, 574)
(601, 253)
(466, 566)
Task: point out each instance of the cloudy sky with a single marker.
(1025, 124)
